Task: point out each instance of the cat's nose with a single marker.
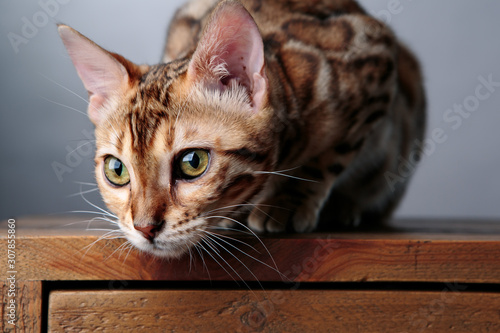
(150, 230)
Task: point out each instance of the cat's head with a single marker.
(179, 144)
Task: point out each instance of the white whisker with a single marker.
(103, 218)
(242, 205)
(79, 222)
(212, 247)
(101, 229)
(208, 252)
(277, 173)
(190, 257)
(226, 207)
(197, 248)
(65, 88)
(231, 238)
(208, 242)
(89, 222)
(107, 235)
(92, 212)
(130, 248)
(286, 170)
(253, 233)
(123, 245)
(248, 255)
(84, 183)
(229, 229)
(64, 105)
(80, 146)
(266, 214)
(235, 257)
(99, 208)
(84, 192)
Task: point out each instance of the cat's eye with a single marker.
(193, 163)
(116, 172)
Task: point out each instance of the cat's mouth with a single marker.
(165, 245)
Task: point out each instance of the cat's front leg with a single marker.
(295, 200)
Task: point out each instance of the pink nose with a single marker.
(150, 230)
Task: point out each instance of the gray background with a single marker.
(457, 41)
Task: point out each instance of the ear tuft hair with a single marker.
(231, 52)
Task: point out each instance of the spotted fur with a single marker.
(313, 132)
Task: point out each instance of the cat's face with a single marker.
(179, 145)
(169, 169)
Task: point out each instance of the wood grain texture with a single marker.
(273, 311)
(28, 312)
(62, 253)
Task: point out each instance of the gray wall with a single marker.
(457, 42)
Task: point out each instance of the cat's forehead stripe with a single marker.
(150, 106)
(143, 129)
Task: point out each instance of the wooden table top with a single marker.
(465, 251)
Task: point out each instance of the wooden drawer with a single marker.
(274, 311)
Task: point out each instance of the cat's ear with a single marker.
(105, 75)
(231, 51)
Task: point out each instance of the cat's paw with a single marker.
(305, 218)
(279, 215)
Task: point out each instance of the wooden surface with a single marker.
(50, 249)
(421, 275)
(274, 311)
(28, 307)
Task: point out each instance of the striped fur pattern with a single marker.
(307, 135)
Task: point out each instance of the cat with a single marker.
(275, 113)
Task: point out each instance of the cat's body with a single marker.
(311, 103)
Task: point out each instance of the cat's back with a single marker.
(307, 20)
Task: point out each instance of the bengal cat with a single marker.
(262, 112)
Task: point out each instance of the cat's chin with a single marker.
(169, 251)
(163, 248)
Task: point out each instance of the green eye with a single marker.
(115, 171)
(193, 163)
